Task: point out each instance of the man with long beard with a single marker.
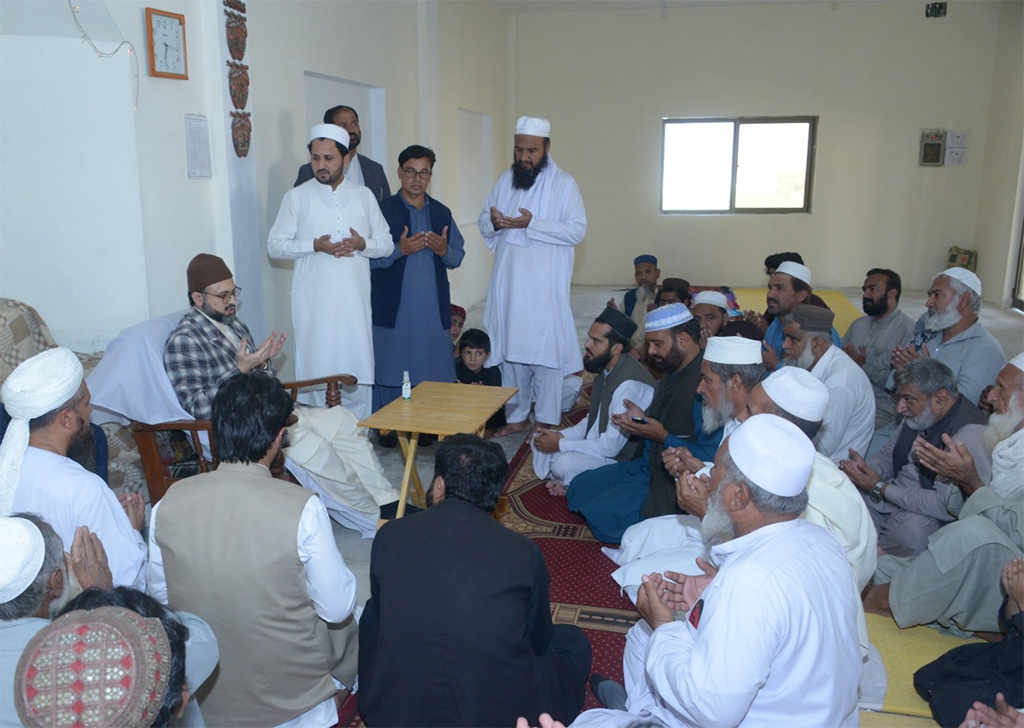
(614, 497)
(956, 581)
(951, 332)
(597, 441)
(871, 339)
(50, 406)
(772, 640)
(908, 501)
(533, 220)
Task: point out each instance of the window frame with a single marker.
(737, 122)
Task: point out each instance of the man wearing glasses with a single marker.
(409, 288)
(359, 169)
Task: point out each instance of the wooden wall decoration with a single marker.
(238, 76)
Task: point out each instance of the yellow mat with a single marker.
(904, 652)
(893, 720)
(752, 299)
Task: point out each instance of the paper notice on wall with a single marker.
(197, 147)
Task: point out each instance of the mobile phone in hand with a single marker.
(639, 420)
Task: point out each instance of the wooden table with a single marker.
(436, 408)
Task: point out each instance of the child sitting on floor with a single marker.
(474, 348)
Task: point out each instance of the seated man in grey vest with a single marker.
(278, 595)
(597, 441)
(907, 500)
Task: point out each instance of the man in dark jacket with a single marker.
(358, 169)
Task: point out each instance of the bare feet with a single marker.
(512, 428)
(555, 488)
(1013, 583)
(876, 600)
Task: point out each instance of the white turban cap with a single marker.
(533, 126)
(963, 275)
(23, 550)
(796, 270)
(713, 298)
(798, 392)
(665, 317)
(1018, 361)
(733, 350)
(773, 454)
(329, 131)
(38, 385)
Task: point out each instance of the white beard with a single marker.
(804, 361)
(942, 321)
(1002, 426)
(923, 421)
(716, 527)
(714, 418)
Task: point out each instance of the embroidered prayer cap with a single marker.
(204, 270)
(38, 385)
(674, 314)
(23, 549)
(329, 131)
(813, 318)
(1018, 361)
(712, 298)
(741, 327)
(620, 322)
(678, 283)
(458, 311)
(963, 275)
(732, 350)
(798, 392)
(773, 453)
(796, 270)
(645, 258)
(105, 667)
(533, 126)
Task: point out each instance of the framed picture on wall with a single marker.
(165, 39)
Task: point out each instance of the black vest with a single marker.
(605, 384)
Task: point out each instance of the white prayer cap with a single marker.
(329, 131)
(798, 392)
(38, 385)
(533, 126)
(773, 453)
(963, 275)
(23, 549)
(733, 350)
(714, 298)
(674, 314)
(1018, 361)
(796, 270)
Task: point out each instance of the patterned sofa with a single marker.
(23, 334)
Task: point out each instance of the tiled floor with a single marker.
(1006, 325)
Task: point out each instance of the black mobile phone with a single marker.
(639, 420)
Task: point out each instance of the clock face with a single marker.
(168, 35)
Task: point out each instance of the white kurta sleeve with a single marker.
(282, 243)
(612, 440)
(842, 402)
(569, 223)
(378, 238)
(156, 580)
(331, 585)
(484, 221)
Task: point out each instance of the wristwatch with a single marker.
(876, 492)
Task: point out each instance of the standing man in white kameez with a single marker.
(331, 227)
(532, 221)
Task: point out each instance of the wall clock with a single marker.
(165, 35)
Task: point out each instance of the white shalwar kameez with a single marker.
(527, 312)
(772, 641)
(331, 296)
(580, 450)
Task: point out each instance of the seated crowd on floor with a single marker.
(759, 482)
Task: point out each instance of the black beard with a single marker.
(222, 318)
(594, 364)
(874, 308)
(671, 362)
(524, 177)
(82, 449)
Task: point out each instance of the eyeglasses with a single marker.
(234, 293)
(421, 173)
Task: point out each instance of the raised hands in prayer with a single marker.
(678, 460)
(135, 508)
(1001, 716)
(857, 470)
(858, 353)
(682, 590)
(954, 462)
(769, 357)
(757, 320)
(649, 428)
(501, 222)
(650, 600)
(692, 493)
(546, 721)
(247, 361)
(410, 244)
(1013, 585)
(344, 249)
(89, 560)
(903, 355)
(546, 440)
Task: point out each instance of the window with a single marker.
(756, 165)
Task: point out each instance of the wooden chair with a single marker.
(158, 479)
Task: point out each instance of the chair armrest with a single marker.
(333, 386)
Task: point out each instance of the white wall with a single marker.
(875, 74)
